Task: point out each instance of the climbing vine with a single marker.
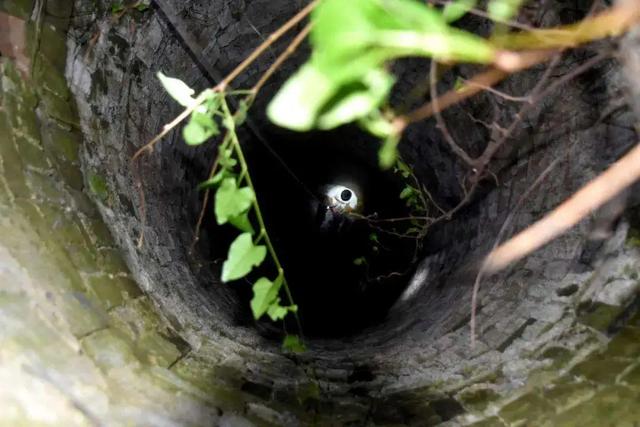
(346, 80)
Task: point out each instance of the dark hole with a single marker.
(337, 294)
(447, 408)
(361, 374)
(567, 290)
(255, 389)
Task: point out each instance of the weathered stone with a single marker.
(80, 335)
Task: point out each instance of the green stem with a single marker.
(256, 206)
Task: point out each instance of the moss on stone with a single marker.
(598, 315)
(633, 235)
(600, 369)
(20, 8)
(98, 186)
(525, 410)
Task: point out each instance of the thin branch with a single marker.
(610, 23)
(273, 37)
(485, 79)
(441, 123)
(258, 212)
(281, 59)
(500, 93)
(251, 94)
(220, 87)
(601, 189)
(205, 201)
(537, 95)
(431, 199)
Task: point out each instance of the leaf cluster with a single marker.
(346, 79)
(235, 198)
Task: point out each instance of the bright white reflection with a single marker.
(342, 199)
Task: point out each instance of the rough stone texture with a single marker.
(86, 338)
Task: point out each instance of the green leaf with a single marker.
(200, 128)
(299, 101)
(377, 125)
(265, 293)
(356, 100)
(194, 134)
(232, 201)
(388, 153)
(178, 90)
(241, 113)
(214, 181)
(407, 192)
(360, 261)
(459, 84)
(293, 344)
(242, 223)
(142, 7)
(276, 311)
(226, 158)
(117, 7)
(503, 10)
(345, 79)
(457, 9)
(243, 256)
(403, 168)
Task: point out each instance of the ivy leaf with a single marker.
(276, 311)
(404, 169)
(177, 89)
(232, 201)
(457, 9)
(194, 134)
(265, 293)
(243, 256)
(142, 7)
(226, 158)
(200, 128)
(213, 181)
(241, 112)
(242, 223)
(292, 343)
(407, 192)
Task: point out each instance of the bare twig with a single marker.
(281, 59)
(220, 87)
(205, 203)
(537, 94)
(601, 189)
(500, 93)
(475, 85)
(440, 120)
(249, 98)
(610, 23)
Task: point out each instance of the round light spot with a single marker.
(341, 198)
